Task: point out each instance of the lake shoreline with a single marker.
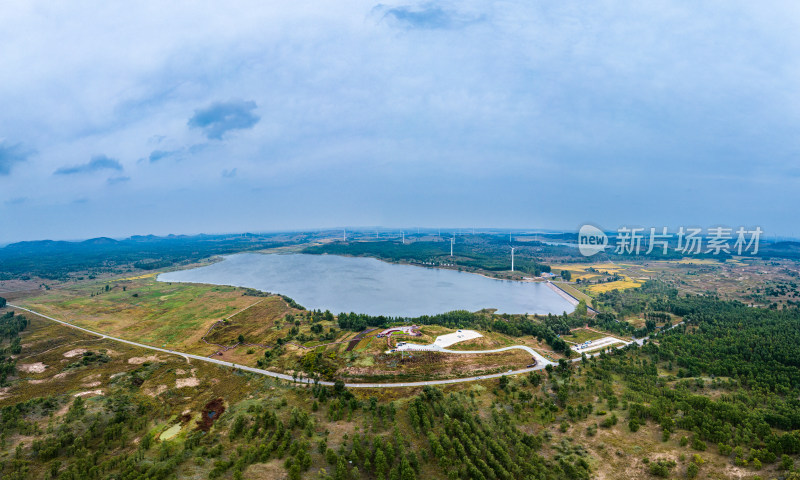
(373, 286)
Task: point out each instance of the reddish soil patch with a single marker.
(211, 412)
(352, 344)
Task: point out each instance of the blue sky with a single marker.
(175, 117)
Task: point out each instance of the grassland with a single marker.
(615, 285)
(176, 405)
(580, 335)
(417, 366)
(176, 392)
(175, 316)
(59, 351)
(222, 321)
(574, 292)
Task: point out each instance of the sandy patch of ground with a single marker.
(141, 360)
(187, 382)
(63, 410)
(61, 375)
(4, 392)
(37, 367)
(91, 384)
(88, 393)
(180, 371)
(267, 471)
(75, 352)
(154, 392)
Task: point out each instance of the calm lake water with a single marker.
(367, 285)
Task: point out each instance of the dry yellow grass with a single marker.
(603, 267)
(618, 285)
(162, 314)
(138, 277)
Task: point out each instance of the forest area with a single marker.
(723, 385)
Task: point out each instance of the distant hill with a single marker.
(61, 260)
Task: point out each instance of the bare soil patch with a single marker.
(141, 360)
(211, 412)
(75, 352)
(266, 471)
(89, 393)
(187, 382)
(37, 367)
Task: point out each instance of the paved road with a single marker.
(283, 376)
(540, 364)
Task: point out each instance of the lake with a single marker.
(366, 285)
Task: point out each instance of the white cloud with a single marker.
(540, 95)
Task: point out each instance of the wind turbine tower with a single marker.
(452, 241)
(404, 238)
(344, 234)
(512, 259)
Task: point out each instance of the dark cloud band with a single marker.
(97, 163)
(222, 117)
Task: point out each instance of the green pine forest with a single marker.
(726, 381)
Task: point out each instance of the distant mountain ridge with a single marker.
(60, 259)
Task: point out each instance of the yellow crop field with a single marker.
(618, 285)
(582, 267)
(585, 276)
(139, 277)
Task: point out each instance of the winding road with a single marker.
(540, 364)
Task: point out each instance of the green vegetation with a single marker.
(717, 396)
(471, 253)
(71, 260)
(546, 328)
(723, 384)
(10, 327)
(144, 309)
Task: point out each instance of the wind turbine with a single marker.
(344, 234)
(452, 241)
(404, 237)
(512, 259)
